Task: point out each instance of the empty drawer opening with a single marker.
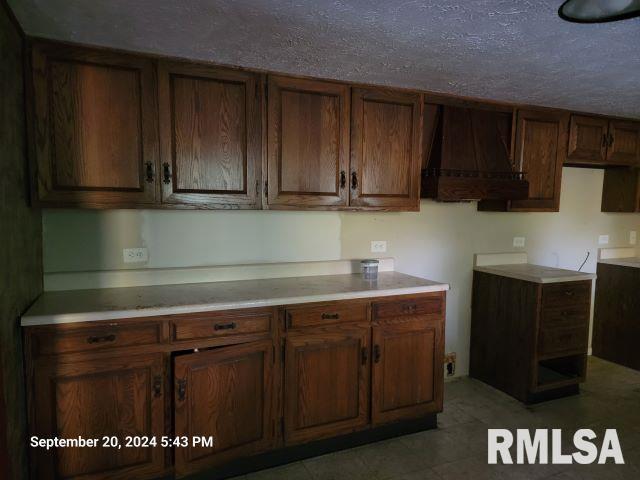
(561, 370)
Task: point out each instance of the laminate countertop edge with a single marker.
(31, 319)
(536, 273)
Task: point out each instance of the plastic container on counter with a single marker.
(369, 269)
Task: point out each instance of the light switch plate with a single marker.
(632, 237)
(603, 239)
(378, 246)
(135, 255)
(518, 242)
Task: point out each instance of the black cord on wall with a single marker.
(585, 261)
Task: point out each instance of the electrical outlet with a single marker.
(518, 242)
(632, 237)
(378, 246)
(450, 364)
(135, 255)
(603, 239)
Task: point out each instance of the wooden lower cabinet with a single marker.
(326, 388)
(407, 374)
(225, 393)
(255, 382)
(106, 397)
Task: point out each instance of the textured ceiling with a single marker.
(509, 50)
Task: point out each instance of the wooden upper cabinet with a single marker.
(94, 132)
(588, 139)
(225, 393)
(621, 190)
(308, 142)
(541, 140)
(118, 397)
(386, 140)
(407, 369)
(210, 136)
(326, 386)
(624, 143)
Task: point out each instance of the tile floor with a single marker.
(458, 448)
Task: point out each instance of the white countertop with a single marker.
(535, 273)
(633, 262)
(118, 303)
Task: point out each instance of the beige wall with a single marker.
(438, 242)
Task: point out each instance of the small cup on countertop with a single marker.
(369, 269)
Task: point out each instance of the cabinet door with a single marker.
(114, 397)
(541, 140)
(407, 369)
(624, 146)
(621, 190)
(95, 127)
(326, 383)
(225, 393)
(210, 136)
(386, 138)
(587, 140)
(308, 146)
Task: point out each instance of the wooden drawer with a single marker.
(326, 314)
(573, 315)
(414, 306)
(563, 339)
(66, 339)
(566, 294)
(213, 326)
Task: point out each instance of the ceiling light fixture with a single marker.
(596, 11)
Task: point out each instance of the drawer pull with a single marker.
(330, 316)
(569, 293)
(105, 338)
(157, 386)
(224, 326)
(376, 353)
(409, 308)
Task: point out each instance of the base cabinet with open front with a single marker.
(232, 391)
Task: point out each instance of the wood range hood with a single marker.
(468, 155)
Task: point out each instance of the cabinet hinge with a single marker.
(282, 426)
(282, 351)
(266, 188)
(266, 90)
(273, 356)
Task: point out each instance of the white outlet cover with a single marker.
(518, 242)
(378, 246)
(603, 239)
(632, 237)
(135, 255)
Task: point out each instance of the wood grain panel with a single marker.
(616, 328)
(114, 397)
(211, 136)
(327, 382)
(621, 190)
(308, 142)
(540, 152)
(95, 129)
(386, 141)
(227, 394)
(407, 375)
(336, 312)
(624, 148)
(587, 140)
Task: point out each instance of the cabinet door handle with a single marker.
(364, 355)
(157, 386)
(103, 339)
(166, 172)
(376, 353)
(330, 316)
(409, 308)
(343, 179)
(354, 180)
(225, 326)
(605, 140)
(182, 389)
(149, 172)
(610, 139)
(568, 293)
